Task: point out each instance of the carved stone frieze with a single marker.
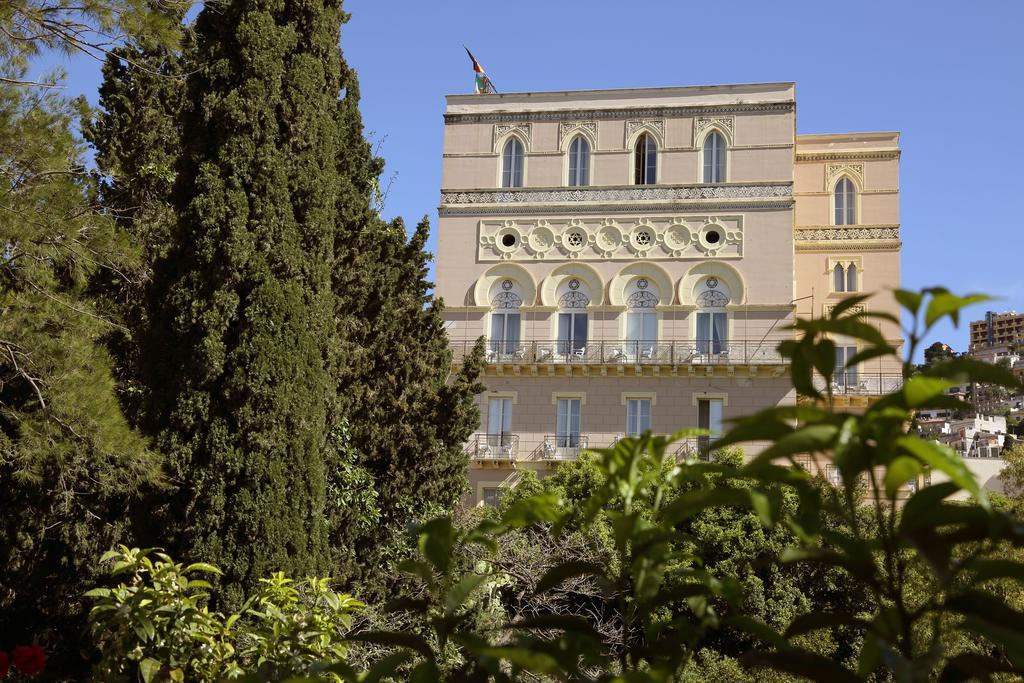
(833, 171)
(702, 123)
(503, 129)
(616, 194)
(857, 309)
(719, 236)
(657, 126)
(567, 128)
(889, 232)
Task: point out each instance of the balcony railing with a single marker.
(563, 446)
(694, 448)
(503, 446)
(861, 383)
(628, 352)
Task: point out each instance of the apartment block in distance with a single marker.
(634, 257)
(998, 329)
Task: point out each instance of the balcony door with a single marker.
(567, 425)
(572, 332)
(499, 422)
(641, 332)
(709, 417)
(845, 377)
(504, 332)
(712, 332)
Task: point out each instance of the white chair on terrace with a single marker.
(648, 353)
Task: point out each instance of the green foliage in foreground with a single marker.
(942, 580)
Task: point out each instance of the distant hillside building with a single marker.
(634, 257)
(998, 329)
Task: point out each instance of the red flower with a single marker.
(5, 664)
(29, 659)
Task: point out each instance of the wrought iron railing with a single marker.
(694, 448)
(629, 352)
(860, 383)
(563, 446)
(502, 446)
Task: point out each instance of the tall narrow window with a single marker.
(638, 416)
(572, 320)
(645, 158)
(567, 424)
(499, 422)
(505, 320)
(851, 278)
(709, 417)
(642, 320)
(845, 377)
(579, 162)
(838, 278)
(714, 158)
(846, 201)
(712, 332)
(512, 164)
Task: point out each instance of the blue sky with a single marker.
(947, 75)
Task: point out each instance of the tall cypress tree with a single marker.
(395, 434)
(242, 337)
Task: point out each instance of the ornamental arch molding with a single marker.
(654, 127)
(490, 282)
(703, 126)
(833, 172)
(650, 271)
(580, 271)
(504, 131)
(567, 132)
(692, 282)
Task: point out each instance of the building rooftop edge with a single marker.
(669, 89)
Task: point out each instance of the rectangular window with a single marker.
(499, 422)
(712, 333)
(638, 416)
(492, 496)
(845, 378)
(572, 333)
(641, 333)
(567, 425)
(709, 417)
(504, 333)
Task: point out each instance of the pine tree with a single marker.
(240, 350)
(69, 463)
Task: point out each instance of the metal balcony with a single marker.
(503, 447)
(860, 383)
(563, 446)
(628, 352)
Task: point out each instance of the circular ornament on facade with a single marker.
(574, 284)
(508, 238)
(540, 239)
(677, 238)
(506, 285)
(642, 283)
(712, 238)
(711, 282)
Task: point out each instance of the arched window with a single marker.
(846, 202)
(512, 164)
(851, 278)
(645, 159)
(505, 320)
(838, 278)
(714, 158)
(579, 162)
(572, 318)
(641, 319)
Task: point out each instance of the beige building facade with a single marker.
(634, 257)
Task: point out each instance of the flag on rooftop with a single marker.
(483, 83)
